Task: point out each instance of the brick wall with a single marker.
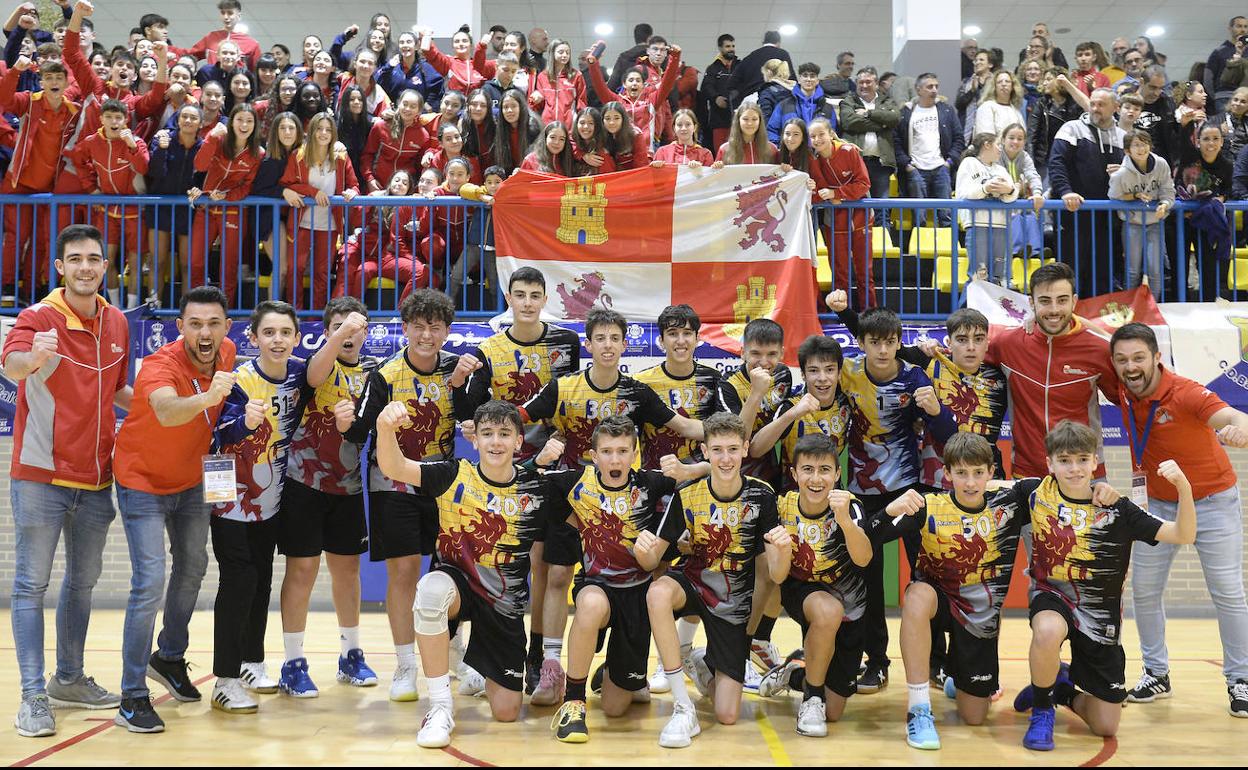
(1186, 594)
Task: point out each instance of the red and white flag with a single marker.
(736, 244)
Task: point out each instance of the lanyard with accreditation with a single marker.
(1139, 479)
(219, 478)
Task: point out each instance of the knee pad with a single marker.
(434, 594)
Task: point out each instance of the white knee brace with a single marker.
(434, 594)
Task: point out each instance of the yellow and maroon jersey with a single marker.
(696, 396)
(977, 401)
(319, 455)
(832, 421)
(820, 554)
(736, 392)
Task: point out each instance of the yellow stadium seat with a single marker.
(381, 283)
(882, 243)
(929, 241)
(944, 274)
(823, 272)
(1021, 270)
(821, 248)
(1237, 273)
(264, 281)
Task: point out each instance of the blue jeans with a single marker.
(932, 184)
(146, 518)
(1220, 546)
(1144, 248)
(41, 512)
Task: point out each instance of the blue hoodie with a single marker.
(798, 105)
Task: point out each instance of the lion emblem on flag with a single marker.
(755, 212)
(588, 291)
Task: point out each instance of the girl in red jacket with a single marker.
(747, 140)
(280, 99)
(211, 100)
(325, 76)
(685, 151)
(229, 158)
(460, 73)
(477, 129)
(316, 170)
(638, 97)
(452, 146)
(516, 130)
(442, 230)
(560, 90)
(626, 146)
(841, 175)
(382, 248)
(398, 143)
(552, 152)
(795, 148)
(589, 145)
(363, 67)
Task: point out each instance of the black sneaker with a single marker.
(532, 675)
(1239, 698)
(873, 680)
(938, 678)
(595, 681)
(1151, 687)
(175, 676)
(138, 716)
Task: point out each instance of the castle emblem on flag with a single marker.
(755, 299)
(1241, 323)
(1116, 314)
(583, 213)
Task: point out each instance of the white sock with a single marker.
(919, 695)
(440, 690)
(406, 654)
(348, 639)
(132, 300)
(294, 645)
(552, 649)
(114, 297)
(680, 691)
(685, 631)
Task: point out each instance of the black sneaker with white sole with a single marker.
(175, 676)
(1239, 698)
(138, 716)
(1151, 687)
(874, 679)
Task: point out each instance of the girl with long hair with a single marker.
(552, 152)
(458, 69)
(560, 90)
(171, 171)
(747, 140)
(516, 129)
(589, 140)
(640, 98)
(627, 147)
(841, 175)
(477, 128)
(382, 247)
(451, 146)
(685, 151)
(398, 143)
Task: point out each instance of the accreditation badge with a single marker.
(219, 479)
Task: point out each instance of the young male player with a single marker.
(1079, 561)
(727, 516)
(488, 515)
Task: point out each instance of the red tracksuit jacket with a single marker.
(39, 125)
(384, 155)
(231, 173)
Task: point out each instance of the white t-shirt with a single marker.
(325, 179)
(925, 138)
(870, 142)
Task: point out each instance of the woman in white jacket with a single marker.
(982, 177)
(1146, 178)
(1001, 105)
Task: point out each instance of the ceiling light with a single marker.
(970, 30)
(788, 29)
(1155, 31)
(603, 29)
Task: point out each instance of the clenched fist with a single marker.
(222, 384)
(393, 417)
(779, 537)
(926, 399)
(253, 413)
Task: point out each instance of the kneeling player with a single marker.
(488, 517)
(727, 517)
(961, 576)
(1081, 549)
(821, 586)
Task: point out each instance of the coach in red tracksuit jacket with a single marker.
(840, 175)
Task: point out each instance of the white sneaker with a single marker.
(255, 677)
(752, 679)
(229, 696)
(470, 681)
(435, 730)
(765, 655)
(700, 673)
(812, 718)
(681, 729)
(658, 683)
(457, 651)
(403, 686)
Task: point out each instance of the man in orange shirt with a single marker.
(160, 486)
(1169, 417)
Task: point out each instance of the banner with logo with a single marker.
(736, 244)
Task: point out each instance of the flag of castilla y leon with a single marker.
(736, 244)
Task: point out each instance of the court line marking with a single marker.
(778, 755)
(1109, 747)
(462, 757)
(80, 737)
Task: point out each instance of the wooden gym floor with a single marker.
(349, 726)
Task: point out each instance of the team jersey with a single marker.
(726, 536)
(319, 455)
(696, 396)
(832, 421)
(575, 406)
(260, 455)
(486, 528)
(431, 436)
(736, 392)
(977, 401)
(609, 520)
(515, 372)
(968, 555)
(1080, 552)
(820, 554)
(883, 444)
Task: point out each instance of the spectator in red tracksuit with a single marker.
(747, 139)
(231, 13)
(441, 233)
(460, 72)
(476, 126)
(48, 122)
(451, 143)
(229, 158)
(560, 90)
(652, 67)
(110, 161)
(363, 68)
(840, 175)
(398, 143)
(685, 151)
(382, 248)
(317, 171)
(641, 99)
(514, 132)
(628, 147)
(552, 152)
(589, 145)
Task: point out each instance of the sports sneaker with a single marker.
(951, 689)
(874, 680)
(295, 681)
(921, 729)
(1039, 735)
(229, 696)
(255, 677)
(765, 655)
(595, 679)
(701, 673)
(470, 681)
(1027, 695)
(658, 683)
(138, 716)
(82, 693)
(681, 729)
(569, 723)
(752, 680)
(1239, 698)
(532, 675)
(34, 717)
(938, 679)
(1151, 687)
(435, 730)
(403, 685)
(457, 649)
(175, 675)
(812, 718)
(354, 671)
(550, 685)
(777, 680)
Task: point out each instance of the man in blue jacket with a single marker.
(928, 143)
(807, 102)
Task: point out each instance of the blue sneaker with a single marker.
(354, 671)
(1026, 696)
(951, 689)
(921, 729)
(295, 681)
(1039, 735)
